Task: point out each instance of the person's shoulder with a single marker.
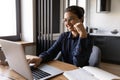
(65, 33)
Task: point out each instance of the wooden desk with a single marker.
(7, 74)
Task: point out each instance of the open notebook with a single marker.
(90, 73)
(15, 56)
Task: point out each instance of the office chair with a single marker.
(95, 57)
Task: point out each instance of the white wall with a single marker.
(105, 21)
(28, 24)
(28, 20)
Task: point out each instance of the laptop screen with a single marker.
(15, 56)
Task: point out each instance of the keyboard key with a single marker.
(37, 73)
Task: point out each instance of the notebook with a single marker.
(90, 73)
(15, 56)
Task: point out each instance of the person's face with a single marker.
(70, 20)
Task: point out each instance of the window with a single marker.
(10, 19)
(72, 2)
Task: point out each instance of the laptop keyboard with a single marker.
(38, 74)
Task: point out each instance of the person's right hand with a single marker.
(34, 59)
(80, 29)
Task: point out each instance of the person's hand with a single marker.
(4, 63)
(34, 59)
(80, 29)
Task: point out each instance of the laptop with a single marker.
(15, 56)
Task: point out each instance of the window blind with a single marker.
(44, 25)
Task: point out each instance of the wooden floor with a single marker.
(113, 68)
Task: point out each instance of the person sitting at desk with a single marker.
(75, 44)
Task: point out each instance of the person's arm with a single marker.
(82, 51)
(47, 55)
(52, 52)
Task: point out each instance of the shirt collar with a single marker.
(70, 36)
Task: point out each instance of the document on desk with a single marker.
(90, 73)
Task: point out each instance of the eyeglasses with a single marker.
(69, 19)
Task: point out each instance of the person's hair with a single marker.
(77, 10)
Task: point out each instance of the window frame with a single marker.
(17, 37)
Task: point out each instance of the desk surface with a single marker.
(7, 74)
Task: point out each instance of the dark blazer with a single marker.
(75, 51)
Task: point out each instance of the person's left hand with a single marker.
(80, 29)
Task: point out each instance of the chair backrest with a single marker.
(95, 57)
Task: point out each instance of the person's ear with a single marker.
(82, 19)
